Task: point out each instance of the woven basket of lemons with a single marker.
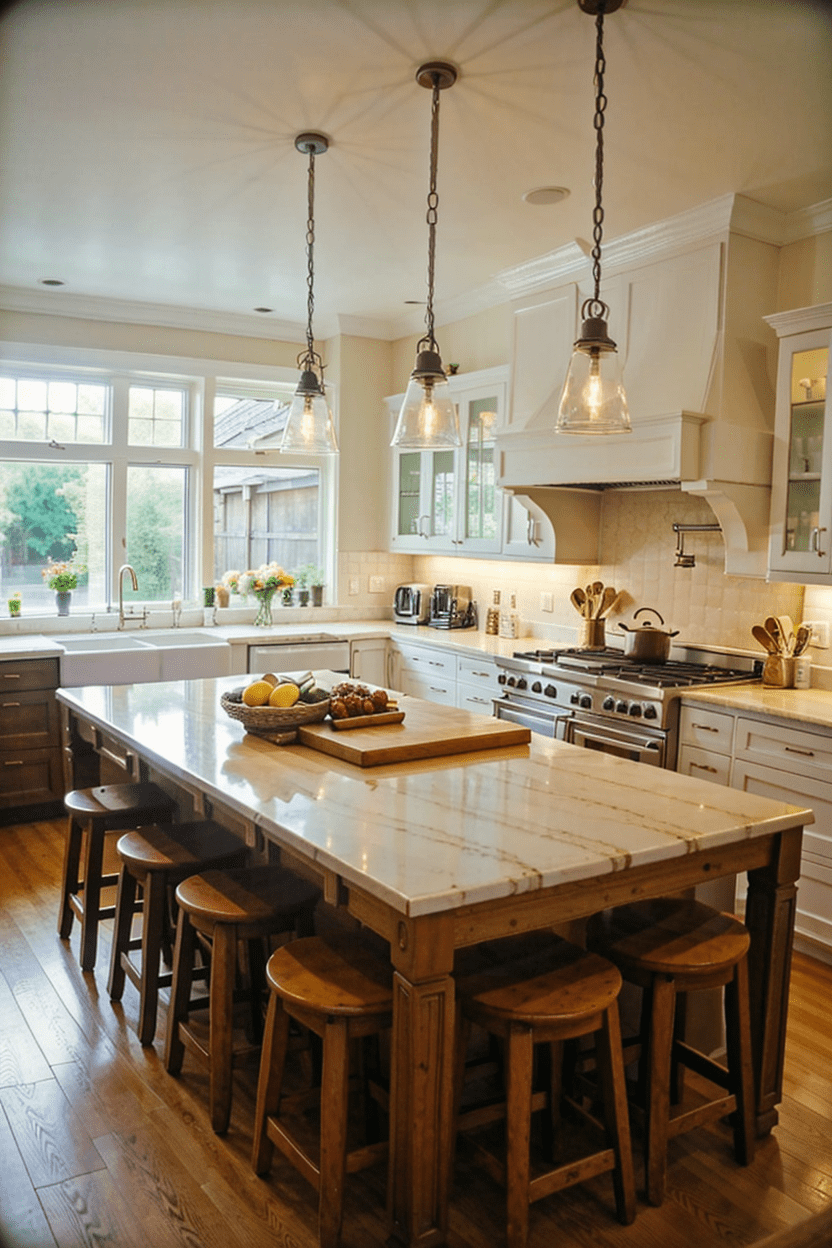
(275, 708)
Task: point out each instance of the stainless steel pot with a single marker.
(648, 643)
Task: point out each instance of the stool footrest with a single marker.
(697, 1115)
(703, 1065)
(570, 1173)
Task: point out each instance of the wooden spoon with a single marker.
(607, 599)
(801, 639)
(578, 600)
(786, 632)
(765, 639)
(773, 629)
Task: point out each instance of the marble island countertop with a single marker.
(435, 834)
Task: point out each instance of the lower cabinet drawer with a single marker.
(474, 698)
(710, 730)
(28, 720)
(30, 776)
(431, 688)
(805, 754)
(703, 765)
(425, 661)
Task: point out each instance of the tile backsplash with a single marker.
(638, 543)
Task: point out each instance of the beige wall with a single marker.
(805, 273)
(480, 341)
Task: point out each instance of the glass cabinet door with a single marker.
(480, 522)
(409, 488)
(806, 445)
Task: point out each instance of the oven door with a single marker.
(545, 721)
(630, 742)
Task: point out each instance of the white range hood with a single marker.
(687, 300)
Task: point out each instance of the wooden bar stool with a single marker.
(158, 858)
(339, 996)
(93, 812)
(547, 997)
(244, 904)
(671, 946)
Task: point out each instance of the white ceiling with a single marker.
(147, 146)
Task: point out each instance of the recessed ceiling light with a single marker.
(51, 281)
(546, 194)
(264, 309)
(415, 303)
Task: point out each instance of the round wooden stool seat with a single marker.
(669, 936)
(91, 813)
(556, 993)
(241, 904)
(671, 946)
(177, 849)
(341, 993)
(158, 857)
(248, 897)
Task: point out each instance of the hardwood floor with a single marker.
(100, 1146)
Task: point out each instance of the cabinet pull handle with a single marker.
(11, 675)
(14, 762)
(792, 749)
(705, 727)
(5, 704)
(814, 540)
(703, 767)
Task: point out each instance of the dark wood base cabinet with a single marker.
(31, 770)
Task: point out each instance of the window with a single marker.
(105, 462)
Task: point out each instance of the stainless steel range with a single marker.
(603, 701)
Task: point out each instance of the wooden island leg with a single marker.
(769, 917)
(421, 1101)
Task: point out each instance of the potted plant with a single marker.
(63, 578)
(14, 604)
(302, 582)
(316, 583)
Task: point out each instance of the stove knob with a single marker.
(510, 681)
(621, 707)
(586, 701)
(635, 710)
(650, 711)
(575, 699)
(537, 687)
(501, 679)
(550, 691)
(609, 703)
(522, 683)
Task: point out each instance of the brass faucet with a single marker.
(123, 615)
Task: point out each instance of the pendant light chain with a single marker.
(433, 208)
(311, 356)
(596, 305)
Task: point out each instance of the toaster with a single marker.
(411, 604)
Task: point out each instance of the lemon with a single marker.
(284, 695)
(257, 693)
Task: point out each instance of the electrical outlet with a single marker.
(546, 602)
(353, 584)
(376, 584)
(820, 633)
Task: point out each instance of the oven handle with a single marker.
(598, 734)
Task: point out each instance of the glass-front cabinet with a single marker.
(801, 500)
(449, 500)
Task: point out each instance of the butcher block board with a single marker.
(427, 731)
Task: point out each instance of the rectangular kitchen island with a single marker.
(441, 853)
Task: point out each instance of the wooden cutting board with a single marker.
(427, 731)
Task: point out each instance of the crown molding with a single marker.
(809, 222)
(168, 316)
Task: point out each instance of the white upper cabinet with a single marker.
(801, 499)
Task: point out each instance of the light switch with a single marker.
(546, 602)
(353, 584)
(376, 584)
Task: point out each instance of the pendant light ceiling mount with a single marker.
(428, 417)
(309, 426)
(593, 399)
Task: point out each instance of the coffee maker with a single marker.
(451, 607)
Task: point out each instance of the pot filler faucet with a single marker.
(124, 616)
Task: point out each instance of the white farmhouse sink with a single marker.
(125, 658)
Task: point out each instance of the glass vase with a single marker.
(263, 618)
(63, 597)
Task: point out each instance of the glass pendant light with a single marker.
(593, 398)
(428, 417)
(309, 426)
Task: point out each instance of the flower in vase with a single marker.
(62, 576)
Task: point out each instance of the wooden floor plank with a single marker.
(21, 1060)
(90, 1211)
(52, 1139)
(22, 1220)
